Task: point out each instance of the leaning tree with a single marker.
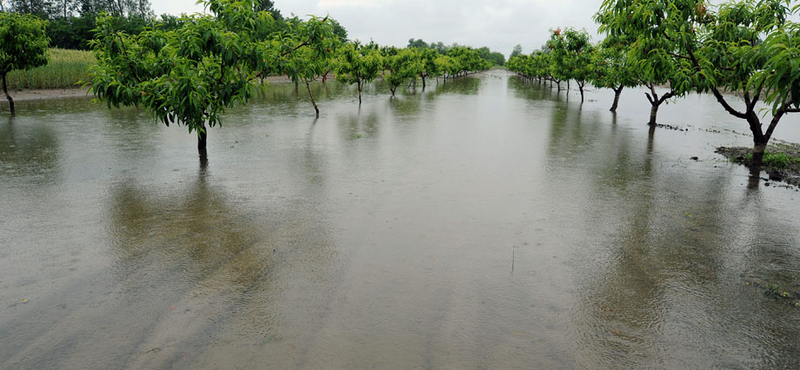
(612, 68)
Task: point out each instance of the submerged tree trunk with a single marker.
(656, 102)
(423, 83)
(10, 100)
(653, 113)
(580, 87)
(567, 85)
(759, 148)
(617, 93)
(310, 95)
(360, 86)
(202, 140)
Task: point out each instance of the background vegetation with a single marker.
(64, 70)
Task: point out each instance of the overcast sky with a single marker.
(498, 24)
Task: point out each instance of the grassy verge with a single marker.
(781, 161)
(64, 70)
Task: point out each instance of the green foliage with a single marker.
(535, 65)
(23, 46)
(516, 52)
(65, 69)
(778, 160)
(403, 64)
(773, 159)
(612, 68)
(192, 74)
(657, 31)
(780, 76)
(24, 43)
(310, 46)
(76, 32)
(359, 65)
(412, 43)
(468, 59)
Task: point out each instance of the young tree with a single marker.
(578, 57)
(612, 68)
(429, 66)
(719, 52)
(358, 65)
(310, 46)
(557, 45)
(653, 48)
(403, 65)
(24, 46)
(189, 75)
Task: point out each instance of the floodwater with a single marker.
(484, 224)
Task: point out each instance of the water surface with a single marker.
(487, 223)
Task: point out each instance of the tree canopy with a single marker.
(24, 45)
(192, 74)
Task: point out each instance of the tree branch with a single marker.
(650, 99)
(721, 100)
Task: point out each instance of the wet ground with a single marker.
(484, 224)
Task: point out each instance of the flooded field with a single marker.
(486, 223)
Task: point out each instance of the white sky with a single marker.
(498, 24)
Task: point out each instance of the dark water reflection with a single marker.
(483, 223)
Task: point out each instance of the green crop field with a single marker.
(64, 70)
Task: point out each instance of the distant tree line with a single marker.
(496, 58)
(71, 21)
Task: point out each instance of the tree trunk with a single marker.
(653, 113)
(10, 100)
(617, 93)
(759, 147)
(580, 87)
(567, 85)
(202, 140)
(310, 95)
(423, 83)
(558, 84)
(360, 86)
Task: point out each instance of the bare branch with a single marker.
(728, 107)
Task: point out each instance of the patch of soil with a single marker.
(789, 174)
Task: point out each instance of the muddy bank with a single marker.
(26, 95)
(781, 162)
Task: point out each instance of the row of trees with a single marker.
(495, 57)
(744, 47)
(192, 74)
(569, 55)
(72, 22)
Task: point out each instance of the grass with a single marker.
(64, 70)
(776, 160)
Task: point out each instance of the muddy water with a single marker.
(483, 224)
